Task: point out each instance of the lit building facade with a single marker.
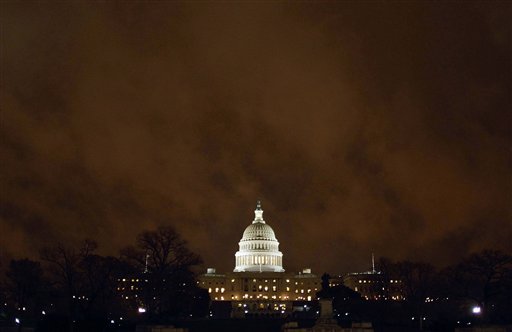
(259, 284)
(374, 285)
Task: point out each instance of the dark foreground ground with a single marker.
(226, 325)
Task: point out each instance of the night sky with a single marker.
(376, 127)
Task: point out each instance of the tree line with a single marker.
(73, 288)
(476, 290)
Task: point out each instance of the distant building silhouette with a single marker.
(373, 285)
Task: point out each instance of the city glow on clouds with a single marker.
(363, 127)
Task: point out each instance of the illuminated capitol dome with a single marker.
(259, 248)
(259, 285)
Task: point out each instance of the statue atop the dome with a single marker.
(258, 213)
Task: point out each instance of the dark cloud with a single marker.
(381, 127)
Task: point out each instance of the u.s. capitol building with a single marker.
(259, 283)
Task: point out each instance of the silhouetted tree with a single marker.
(5, 310)
(417, 282)
(164, 255)
(63, 269)
(484, 278)
(80, 277)
(24, 284)
(98, 284)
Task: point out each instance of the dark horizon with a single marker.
(362, 127)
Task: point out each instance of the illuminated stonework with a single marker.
(259, 248)
(258, 285)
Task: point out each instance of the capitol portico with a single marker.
(259, 283)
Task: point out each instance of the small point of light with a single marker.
(112, 321)
(17, 320)
(142, 310)
(43, 312)
(476, 310)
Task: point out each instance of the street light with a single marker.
(476, 310)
